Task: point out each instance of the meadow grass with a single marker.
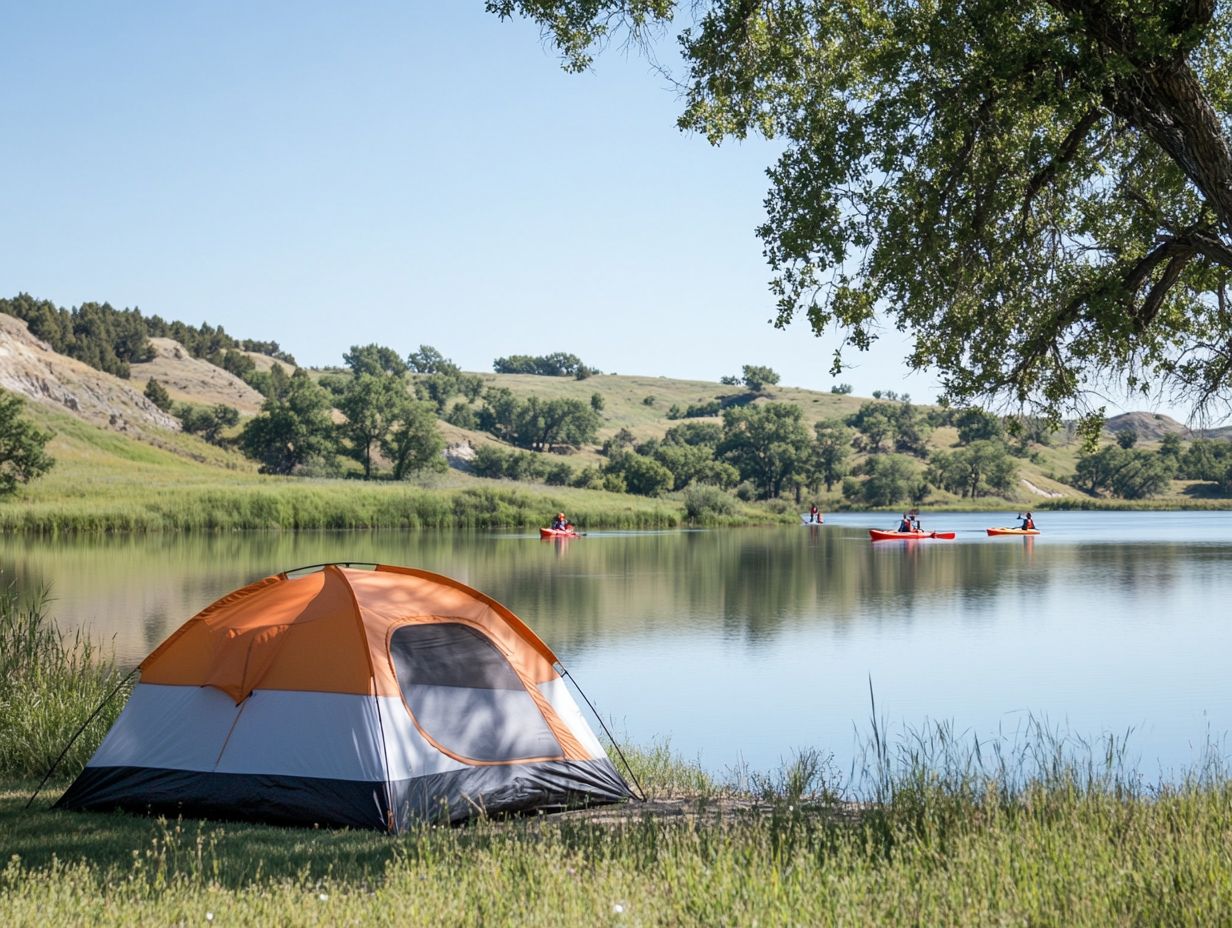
(107, 483)
(936, 828)
(50, 683)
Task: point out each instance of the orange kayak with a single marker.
(879, 535)
(1013, 531)
(558, 533)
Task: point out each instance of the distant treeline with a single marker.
(111, 339)
(557, 364)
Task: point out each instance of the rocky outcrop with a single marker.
(192, 380)
(30, 368)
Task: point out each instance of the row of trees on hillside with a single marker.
(111, 339)
(557, 364)
(1125, 471)
(295, 430)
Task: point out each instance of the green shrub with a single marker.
(705, 504)
(50, 683)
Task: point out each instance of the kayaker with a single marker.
(905, 525)
(1027, 521)
(814, 513)
(560, 523)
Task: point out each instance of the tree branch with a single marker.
(1069, 147)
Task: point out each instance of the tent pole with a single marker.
(595, 713)
(76, 735)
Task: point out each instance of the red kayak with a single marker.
(879, 535)
(1013, 531)
(558, 533)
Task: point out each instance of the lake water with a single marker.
(742, 646)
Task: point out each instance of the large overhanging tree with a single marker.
(1040, 193)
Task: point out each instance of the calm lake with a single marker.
(743, 646)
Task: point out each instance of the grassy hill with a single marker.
(154, 478)
(105, 481)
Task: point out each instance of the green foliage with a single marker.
(911, 429)
(374, 360)
(50, 683)
(558, 364)
(597, 402)
(1127, 438)
(463, 415)
(1206, 459)
(767, 443)
(1170, 447)
(206, 421)
(412, 443)
(110, 339)
(729, 380)
(1126, 473)
(639, 474)
(371, 404)
(496, 463)
(876, 424)
(831, 452)
(427, 360)
(97, 334)
(689, 453)
(841, 389)
(982, 468)
(757, 378)
(891, 479)
(23, 455)
(293, 429)
(157, 394)
(1040, 193)
(446, 381)
(700, 410)
(705, 504)
(975, 424)
(536, 423)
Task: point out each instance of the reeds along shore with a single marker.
(336, 505)
(935, 829)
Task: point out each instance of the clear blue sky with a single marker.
(397, 172)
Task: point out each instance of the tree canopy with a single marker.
(1040, 193)
(22, 446)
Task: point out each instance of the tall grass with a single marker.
(1051, 856)
(934, 826)
(50, 683)
(329, 505)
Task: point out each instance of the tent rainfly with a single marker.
(362, 697)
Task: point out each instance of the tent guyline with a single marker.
(77, 734)
(564, 672)
(354, 694)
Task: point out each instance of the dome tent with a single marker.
(365, 697)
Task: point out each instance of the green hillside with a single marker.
(105, 481)
(117, 481)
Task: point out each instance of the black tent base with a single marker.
(453, 797)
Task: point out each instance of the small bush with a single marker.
(50, 683)
(704, 504)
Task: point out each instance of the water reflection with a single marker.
(741, 645)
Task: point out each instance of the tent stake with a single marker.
(603, 724)
(77, 734)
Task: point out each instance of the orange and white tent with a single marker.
(352, 696)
